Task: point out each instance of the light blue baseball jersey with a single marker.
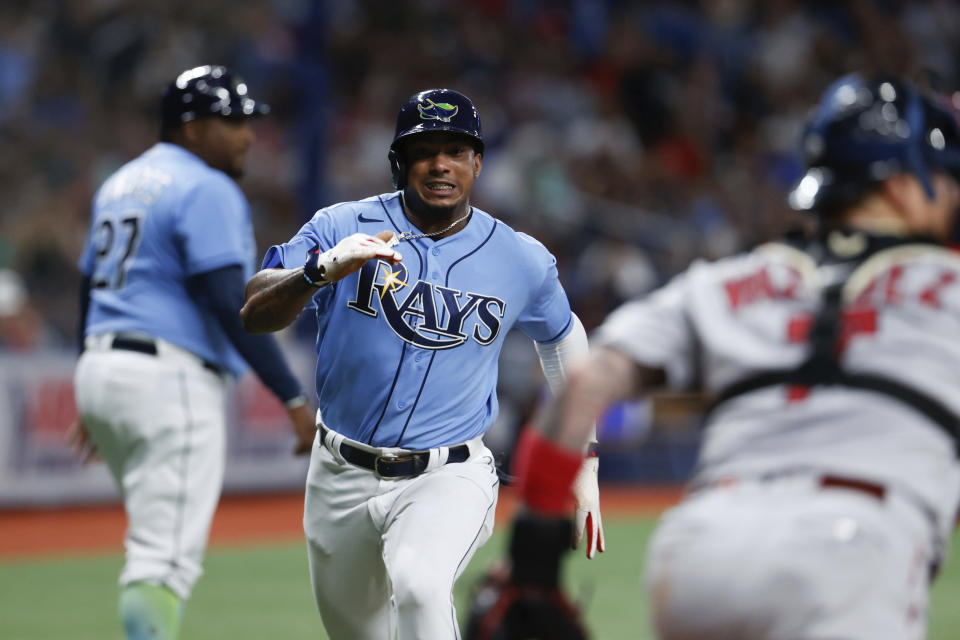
(407, 354)
(157, 221)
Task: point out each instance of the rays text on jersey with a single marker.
(418, 316)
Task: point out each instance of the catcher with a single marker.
(827, 483)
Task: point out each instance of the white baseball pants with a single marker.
(385, 553)
(159, 423)
(789, 560)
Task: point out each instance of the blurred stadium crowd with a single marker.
(628, 136)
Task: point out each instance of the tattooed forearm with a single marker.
(274, 298)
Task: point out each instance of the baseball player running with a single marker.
(170, 248)
(827, 483)
(414, 292)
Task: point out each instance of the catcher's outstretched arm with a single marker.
(606, 376)
(556, 359)
(548, 458)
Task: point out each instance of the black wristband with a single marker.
(313, 271)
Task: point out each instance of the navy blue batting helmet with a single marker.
(864, 131)
(433, 110)
(209, 90)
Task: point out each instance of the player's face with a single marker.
(223, 144)
(441, 168)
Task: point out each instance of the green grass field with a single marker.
(264, 592)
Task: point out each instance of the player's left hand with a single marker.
(586, 497)
(79, 439)
(304, 426)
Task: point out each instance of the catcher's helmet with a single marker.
(433, 110)
(864, 131)
(209, 90)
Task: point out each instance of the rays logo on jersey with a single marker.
(415, 312)
(441, 111)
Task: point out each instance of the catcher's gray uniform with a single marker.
(823, 520)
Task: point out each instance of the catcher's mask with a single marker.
(864, 131)
(432, 110)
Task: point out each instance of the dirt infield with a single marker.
(239, 520)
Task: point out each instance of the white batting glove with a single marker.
(586, 497)
(348, 256)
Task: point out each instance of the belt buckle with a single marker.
(386, 460)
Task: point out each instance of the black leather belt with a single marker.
(409, 464)
(148, 346)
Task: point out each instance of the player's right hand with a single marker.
(83, 447)
(349, 255)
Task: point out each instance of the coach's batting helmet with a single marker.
(433, 110)
(864, 131)
(209, 90)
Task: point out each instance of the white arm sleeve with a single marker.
(557, 357)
